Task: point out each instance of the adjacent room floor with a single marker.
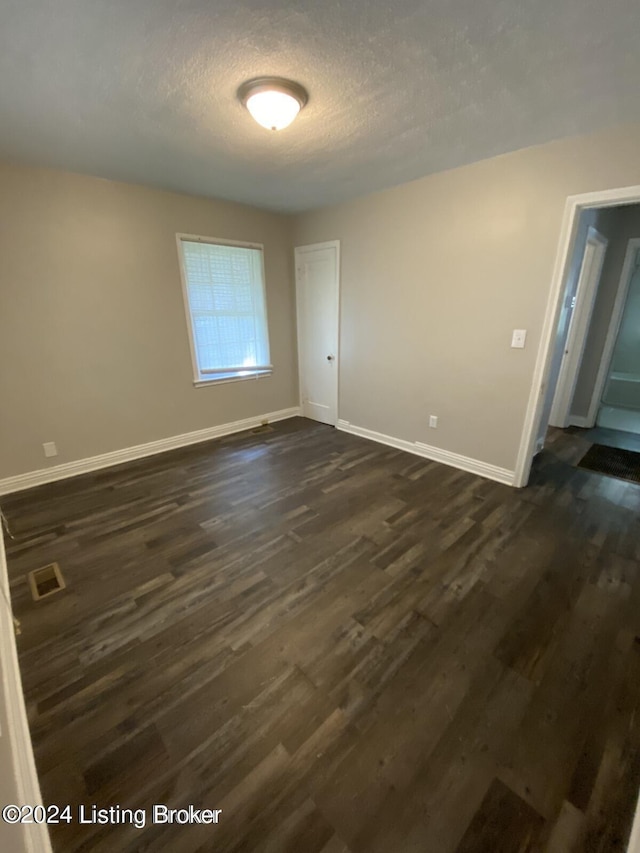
(342, 646)
(611, 437)
(628, 420)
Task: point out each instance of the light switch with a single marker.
(518, 338)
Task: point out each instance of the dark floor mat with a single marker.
(612, 461)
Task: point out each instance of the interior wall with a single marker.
(437, 273)
(93, 338)
(627, 226)
(626, 355)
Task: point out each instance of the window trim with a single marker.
(202, 380)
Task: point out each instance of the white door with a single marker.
(318, 302)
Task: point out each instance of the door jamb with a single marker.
(574, 205)
(327, 244)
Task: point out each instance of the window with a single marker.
(226, 309)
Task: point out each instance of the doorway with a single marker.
(547, 363)
(581, 311)
(616, 399)
(318, 312)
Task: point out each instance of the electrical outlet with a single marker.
(433, 421)
(50, 449)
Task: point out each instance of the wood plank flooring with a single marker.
(342, 646)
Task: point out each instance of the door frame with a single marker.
(589, 277)
(614, 327)
(574, 205)
(328, 244)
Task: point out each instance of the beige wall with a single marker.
(627, 225)
(435, 276)
(93, 340)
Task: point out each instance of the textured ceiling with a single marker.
(144, 90)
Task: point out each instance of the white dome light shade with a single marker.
(273, 110)
(273, 102)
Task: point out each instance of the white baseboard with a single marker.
(579, 421)
(20, 782)
(128, 454)
(465, 463)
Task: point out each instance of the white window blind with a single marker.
(226, 306)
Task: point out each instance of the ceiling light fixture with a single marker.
(272, 101)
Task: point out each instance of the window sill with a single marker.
(221, 380)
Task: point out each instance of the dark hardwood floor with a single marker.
(342, 646)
